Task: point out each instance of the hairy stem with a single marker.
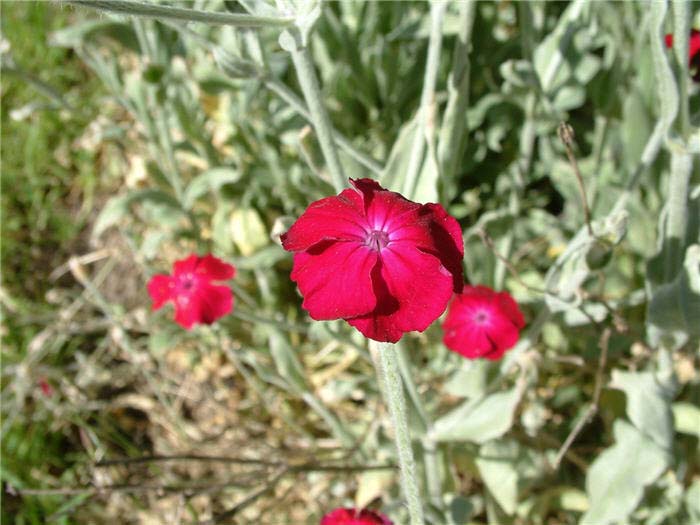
(454, 126)
(319, 117)
(427, 99)
(394, 398)
(123, 7)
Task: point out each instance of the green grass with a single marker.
(45, 187)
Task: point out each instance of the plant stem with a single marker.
(319, 117)
(566, 134)
(427, 99)
(430, 453)
(329, 418)
(454, 126)
(178, 13)
(676, 226)
(681, 33)
(397, 408)
(298, 105)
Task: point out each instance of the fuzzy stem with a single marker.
(321, 122)
(178, 13)
(394, 398)
(415, 162)
(454, 127)
(681, 33)
(430, 453)
(678, 191)
(297, 105)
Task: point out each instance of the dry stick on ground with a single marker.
(303, 467)
(283, 468)
(566, 134)
(593, 408)
(227, 516)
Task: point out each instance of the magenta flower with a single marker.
(197, 299)
(355, 517)
(482, 323)
(381, 262)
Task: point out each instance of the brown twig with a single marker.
(488, 241)
(593, 407)
(226, 516)
(186, 457)
(566, 134)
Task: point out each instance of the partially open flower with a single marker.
(381, 262)
(197, 299)
(482, 323)
(355, 517)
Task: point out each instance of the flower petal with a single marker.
(214, 268)
(160, 288)
(412, 290)
(206, 304)
(427, 227)
(186, 265)
(348, 516)
(489, 337)
(334, 279)
(338, 218)
(469, 340)
(448, 243)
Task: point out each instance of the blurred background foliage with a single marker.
(129, 143)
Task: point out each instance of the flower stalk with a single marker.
(396, 401)
(163, 12)
(427, 99)
(319, 116)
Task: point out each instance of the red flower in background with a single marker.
(355, 517)
(381, 262)
(693, 52)
(197, 299)
(482, 323)
(45, 387)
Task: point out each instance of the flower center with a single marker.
(187, 282)
(481, 317)
(377, 239)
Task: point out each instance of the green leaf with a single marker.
(286, 361)
(210, 180)
(648, 404)
(692, 501)
(371, 485)
(686, 417)
(674, 309)
(478, 420)
(248, 231)
(566, 277)
(616, 479)
(395, 170)
(119, 206)
(497, 463)
(80, 34)
(470, 380)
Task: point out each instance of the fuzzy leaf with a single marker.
(479, 420)
(616, 479)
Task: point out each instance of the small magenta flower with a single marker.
(45, 387)
(349, 516)
(482, 323)
(383, 263)
(197, 299)
(693, 51)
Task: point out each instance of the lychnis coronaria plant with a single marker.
(383, 263)
(196, 297)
